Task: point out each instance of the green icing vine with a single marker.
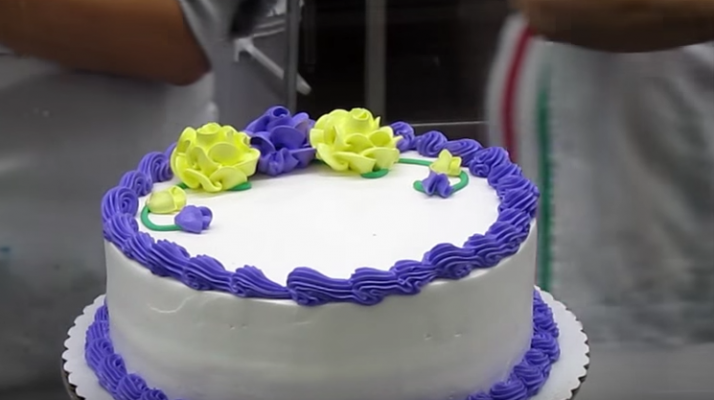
(463, 182)
(463, 176)
(375, 174)
(242, 187)
(154, 227)
(144, 216)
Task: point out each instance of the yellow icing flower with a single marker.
(167, 201)
(353, 140)
(214, 157)
(447, 164)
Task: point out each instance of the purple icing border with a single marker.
(524, 381)
(309, 287)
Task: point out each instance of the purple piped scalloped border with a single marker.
(524, 381)
(309, 287)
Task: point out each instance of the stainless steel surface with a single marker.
(292, 53)
(376, 56)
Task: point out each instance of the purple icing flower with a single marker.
(438, 184)
(194, 219)
(282, 140)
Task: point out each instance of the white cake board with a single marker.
(565, 378)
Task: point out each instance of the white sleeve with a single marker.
(213, 22)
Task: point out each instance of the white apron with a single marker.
(622, 147)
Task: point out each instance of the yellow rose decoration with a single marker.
(353, 140)
(167, 201)
(214, 157)
(447, 164)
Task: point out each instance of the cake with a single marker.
(335, 259)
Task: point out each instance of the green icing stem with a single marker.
(414, 161)
(463, 176)
(173, 227)
(158, 228)
(375, 174)
(239, 188)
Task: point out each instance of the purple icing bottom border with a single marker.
(524, 381)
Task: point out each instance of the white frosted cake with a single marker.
(328, 260)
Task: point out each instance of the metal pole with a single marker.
(376, 57)
(292, 53)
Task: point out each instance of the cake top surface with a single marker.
(321, 219)
(342, 209)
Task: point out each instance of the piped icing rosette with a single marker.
(282, 140)
(214, 158)
(354, 141)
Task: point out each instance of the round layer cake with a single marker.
(336, 260)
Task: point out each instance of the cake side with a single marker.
(454, 339)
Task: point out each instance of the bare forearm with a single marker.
(137, 38)
(622, 25)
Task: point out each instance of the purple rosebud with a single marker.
(438, 184)
(194, 219)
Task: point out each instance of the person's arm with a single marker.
(622, 25)
(147, 39)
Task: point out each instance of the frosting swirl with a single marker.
(547, 344)
(139, 248)
(168, 259)
(137, 181)
(532, 377)
(511, 389)
(431, 143)
(312, 288)
(538, 359)
(156, 166)
(119, 229)
(130, 387)
(508, 236)
(502, 171)
(406, 132)
(153, 394)
(250, 281)
(109, 366)
(119, 200)
(111, 370)
(487, 251)
(464, 148)
(413, 275)
(205, 273)
(450, 262)
(486, 159)
(372, 285)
